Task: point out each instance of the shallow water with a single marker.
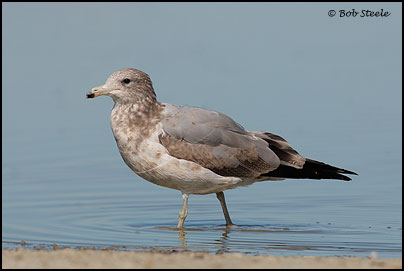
(109, 207)
(332, 87)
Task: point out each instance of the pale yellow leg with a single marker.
(220, 197)
(184, 212)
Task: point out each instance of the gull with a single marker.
(194, 150)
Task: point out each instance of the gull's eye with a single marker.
(126, 81)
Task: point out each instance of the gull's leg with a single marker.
(220, 197)
(184, 212)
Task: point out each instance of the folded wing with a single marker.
(215, 141)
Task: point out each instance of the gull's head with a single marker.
(125, 85)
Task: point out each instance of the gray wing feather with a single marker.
(197, 125)
(287, 155)
(215, 141)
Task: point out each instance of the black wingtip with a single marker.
(321, 165)
(325, 174)
(312, 170)
(345, 178)
(344, 171)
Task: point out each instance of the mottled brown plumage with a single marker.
(237, 162)
(194, 150)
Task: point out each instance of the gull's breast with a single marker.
(151, 161)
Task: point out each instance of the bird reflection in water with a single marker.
(222, 243)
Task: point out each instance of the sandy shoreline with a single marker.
(73, 258)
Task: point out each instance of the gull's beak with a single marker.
(97, 91)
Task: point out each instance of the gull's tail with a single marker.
(311, 170)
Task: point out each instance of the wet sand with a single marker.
(73, 258)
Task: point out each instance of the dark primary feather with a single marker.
(294, 166)
(311, 170)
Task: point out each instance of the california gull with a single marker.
(194, 150)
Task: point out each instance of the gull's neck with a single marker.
(139, 114)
